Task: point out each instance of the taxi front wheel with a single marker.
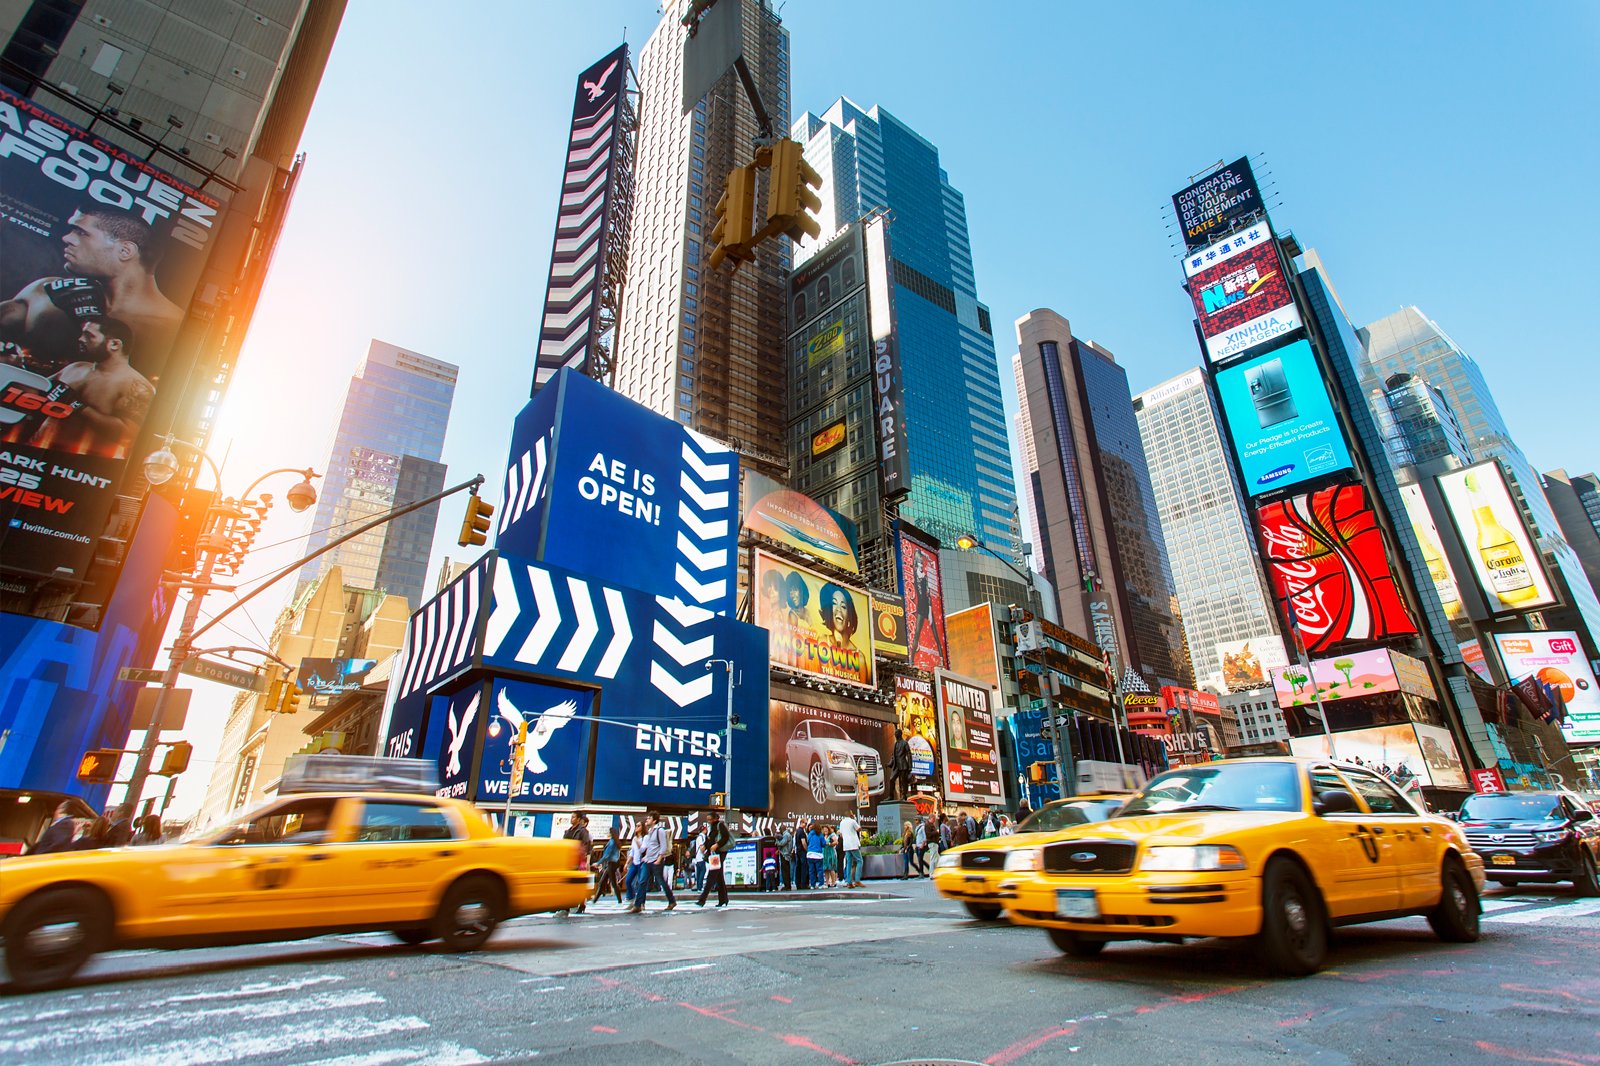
(1455, 919)
(1294, 933)
(51, 935)
(984, 912)
(1075, 944)
(469, 913)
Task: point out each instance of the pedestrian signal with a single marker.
(99, 766)
(1036, 772)
(475, 526)
(719, 800)
(176, 760)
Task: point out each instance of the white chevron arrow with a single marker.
(569, 219)
(570, 292)
(699, 527)
(558, 349)
(621, 638)
(578, 155)
(565, 245)
(695, 651)
(575, 176)
(504, 613)
(703, 560)
(578, 646)
(682, 693)
(585, 128)
(709, 445)
(710, 590)
(579, 197)
(547, 618)
(706, 501)
(685, 614)
(706, 471)
(563, 320)
(514, 475)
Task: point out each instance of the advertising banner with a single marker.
(1325, 556)
(971, 751)
(1556, 659)
(797, 520)
(1245, 662)
(604, 486)
(1217, 202)
(918, 715)
(888, 388)
(1362, 673)
(972, 647)
(1281, 420)
(817, 755)
(1408, 755)
(1032, 745)
(1241, 293)
(922, 587)
(100, 253)
(1472, 657)
(555, 759)
(326, 677)
(828, 342)
(1427, 534)
(889, 626)
(816, 623)
(1504, 561)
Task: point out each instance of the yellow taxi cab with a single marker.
(327, 856)
(1276, 849)
(971, 873)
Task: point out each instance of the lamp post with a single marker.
(970, 542)
(215, 539)
(732, 720)
(519, 748)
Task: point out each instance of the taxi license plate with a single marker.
(1503, 860)
(1077, 903)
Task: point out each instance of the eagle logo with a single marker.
(544, 727)
(597, 88)
(460, 729)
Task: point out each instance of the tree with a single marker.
(1296, 678)
(1344, 666)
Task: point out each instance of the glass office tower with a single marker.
(1210, 543)
(385, 453)
(961, 478)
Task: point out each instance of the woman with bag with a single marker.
(610, 857)
(830, 857)
(717, 841)
(814, 856)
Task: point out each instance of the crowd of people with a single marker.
(923, 839)
(116, 828)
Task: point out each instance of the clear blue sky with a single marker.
(1436, 154)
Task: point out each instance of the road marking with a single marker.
(684, 969)
(1552, 910)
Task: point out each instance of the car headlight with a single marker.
(1550, 836)
(1193, 858)
(838, 758)
(1023, 859)
(947, 861)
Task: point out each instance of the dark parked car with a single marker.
(1534, 836)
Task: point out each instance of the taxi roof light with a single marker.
(353, 773)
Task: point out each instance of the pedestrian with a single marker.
(769, 867)
(786, 856)
(640, 859)
(971, 824)
(1006, 827)
(149, 831)
(119, 831)
(717, 841)
(958, 832)
(610, 875)
(850, 850)
(814, 855)
(946, 834)
(579, 831)
(1023, 810)
(936, 840)
(697, 869)
(830, 857)
(669, 855)
(908, 847)
(920, 841)
(59, 834)
(802, 845)
(92, 834)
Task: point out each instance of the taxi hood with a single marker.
(1176, 827)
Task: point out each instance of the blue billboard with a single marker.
(601, 485)
(555, 756)
(1281, 419)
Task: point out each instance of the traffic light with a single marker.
(719, 800)
(732, 236)
(1036, 773)
(99, 766)
(475, 526)
(176, 760)
(283, 697)
(790, 200)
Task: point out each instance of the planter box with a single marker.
(892, 865)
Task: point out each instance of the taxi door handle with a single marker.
(319, 856)
(446, 854)
(1377, 830)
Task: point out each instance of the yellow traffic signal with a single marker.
(790, 201)
(732, 237)
(283, 697)
(475, 526)
(176, 760)
(1036, 772)
(719, 800)
(99, 766)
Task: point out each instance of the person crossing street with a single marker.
(718, 841)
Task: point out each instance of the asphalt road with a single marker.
(852, 980)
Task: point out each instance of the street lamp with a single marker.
(519, 745)
(732, 720)
(969, 542)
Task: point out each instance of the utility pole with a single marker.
(731, 721)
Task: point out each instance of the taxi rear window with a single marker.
(386, 822)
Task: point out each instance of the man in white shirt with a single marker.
(850, 844)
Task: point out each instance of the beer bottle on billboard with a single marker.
(1443, 583)
(1510, 579)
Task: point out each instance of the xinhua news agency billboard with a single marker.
(1241, 293)
(1281, 419)
(100, 253)
(1217, 203)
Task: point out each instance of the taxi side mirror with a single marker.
(1583, 816)
(1335, 801)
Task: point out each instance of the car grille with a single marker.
(866, 764)
(1089, 857)
(1485, 838)
(983, 860)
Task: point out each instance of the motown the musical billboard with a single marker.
(818, 626)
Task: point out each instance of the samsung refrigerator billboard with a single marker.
(1281, 419)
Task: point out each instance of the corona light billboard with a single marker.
(1503, 559)
(818, 626)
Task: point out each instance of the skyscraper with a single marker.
(700, 345)
(1210, 543)
(960, 479)
(1408, 341)
(1576, 501)
(1099, 529)
(385, 453)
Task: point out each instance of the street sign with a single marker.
(223, 674)
(1488, 780)
(140, 676)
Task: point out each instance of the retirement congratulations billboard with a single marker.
(99, 255)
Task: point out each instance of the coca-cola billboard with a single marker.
(1325, 556)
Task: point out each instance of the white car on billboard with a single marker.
(821, 758)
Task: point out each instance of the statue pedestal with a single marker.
(892, 817)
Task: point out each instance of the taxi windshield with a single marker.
(299, 820)
(1061, 815)
(1266, 786)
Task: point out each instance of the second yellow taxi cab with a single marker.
(971, 873)
(1279, 850)
(330, 858)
